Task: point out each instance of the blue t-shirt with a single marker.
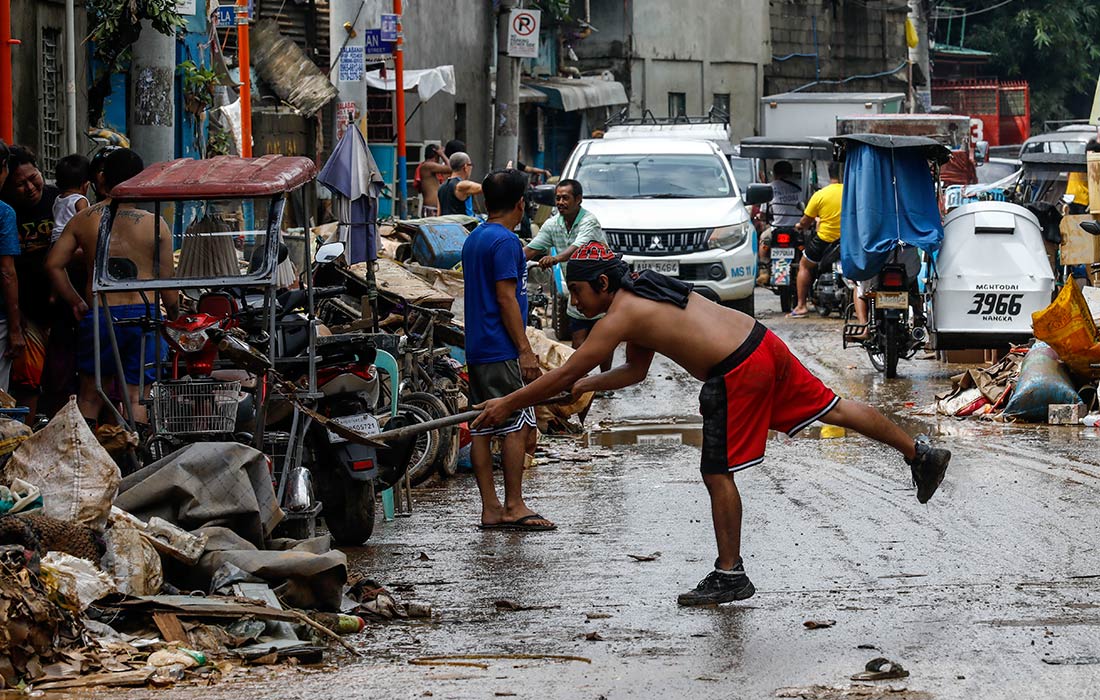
(491, 253)
(9, 241)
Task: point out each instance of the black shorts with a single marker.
(492, 381)
(581, 324)
(815, 249)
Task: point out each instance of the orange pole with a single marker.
(243, 63)
(6, 42)
(399, 110)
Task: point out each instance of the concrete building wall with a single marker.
(442, 32)
(853, 38)
(696, 47)
(40, 25)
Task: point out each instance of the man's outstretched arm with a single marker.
(631, 372)
(606, 335)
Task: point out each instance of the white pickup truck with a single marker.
(671, 204)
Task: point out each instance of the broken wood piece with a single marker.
(126, 678)
(170, 627)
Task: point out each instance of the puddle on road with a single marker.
(672, 431)
(678, 431)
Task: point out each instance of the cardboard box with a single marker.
(1078, 246)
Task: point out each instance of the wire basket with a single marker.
(195, 407)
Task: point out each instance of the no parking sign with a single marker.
(523, 33)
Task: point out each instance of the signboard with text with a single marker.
(351, 64)
(375, 46)
(523, 33)
(389, 28)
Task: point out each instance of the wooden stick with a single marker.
(453, 658)
(445, 422)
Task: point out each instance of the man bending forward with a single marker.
(752, 384)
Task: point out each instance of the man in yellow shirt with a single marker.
(1077, 185)
(824, 205)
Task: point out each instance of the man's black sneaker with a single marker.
(720, 587)
(929, 466)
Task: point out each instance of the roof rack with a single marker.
(715, 115)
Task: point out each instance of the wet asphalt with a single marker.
(976, 593)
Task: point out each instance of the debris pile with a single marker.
(99, 574)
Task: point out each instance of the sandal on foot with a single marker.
(524, 523)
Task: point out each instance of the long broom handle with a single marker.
(447, 422)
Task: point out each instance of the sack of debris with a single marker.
(1043, 381)
(1067, 326)
(77, 477)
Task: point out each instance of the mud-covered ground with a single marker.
(977, 594)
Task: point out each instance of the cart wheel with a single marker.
(426, 446)
(447, 450)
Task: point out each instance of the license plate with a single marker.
(782, 254)
(892, 300)
(362, 423)
(665, 267)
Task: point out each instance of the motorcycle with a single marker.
(830, 291)
(903, 172)
(891, 332)
(786, 255)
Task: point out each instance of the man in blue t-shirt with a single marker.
(499, 357)
(11, 321)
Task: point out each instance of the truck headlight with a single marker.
(730, 237)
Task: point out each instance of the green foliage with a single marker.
(198, 86)
(114, 26)
(555, 11)
(1055, 46)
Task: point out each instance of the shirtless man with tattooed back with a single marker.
(132, 238)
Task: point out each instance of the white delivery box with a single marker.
(991, 274)
(801, 114)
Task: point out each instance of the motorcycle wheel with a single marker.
(447, 451)
(426, 447)
(823, 310)
(786, 299)
(875, 351)
(348, 508)
(892, 341)
(560, 319)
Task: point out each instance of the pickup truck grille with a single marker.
(658, 242)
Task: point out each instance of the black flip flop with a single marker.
(520, 524)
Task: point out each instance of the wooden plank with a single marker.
(170, 627)
(391, 277)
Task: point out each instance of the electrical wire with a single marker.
(962, 15)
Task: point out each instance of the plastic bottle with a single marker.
(339, 623)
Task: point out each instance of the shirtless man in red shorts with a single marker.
(758, 386)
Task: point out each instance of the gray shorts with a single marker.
(492, 381)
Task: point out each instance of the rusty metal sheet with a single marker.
(223, 177)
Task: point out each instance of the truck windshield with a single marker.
(664, 176)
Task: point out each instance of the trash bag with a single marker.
(12, 435)
(1067, 326)
(1043, 381)
(77, 477)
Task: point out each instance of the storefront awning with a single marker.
(571, 94)
(529, 95)
(426, 82)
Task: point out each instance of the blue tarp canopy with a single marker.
(889, 199)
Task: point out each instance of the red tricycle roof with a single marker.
(222, 177)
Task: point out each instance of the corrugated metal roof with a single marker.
(224, 177)
(572, 94)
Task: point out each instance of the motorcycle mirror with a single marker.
(981, 152)
(1091, 227)
(543, 194)
(758, 194)
(329, 252)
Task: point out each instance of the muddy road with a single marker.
(991, 590)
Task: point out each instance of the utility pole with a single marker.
(70, 76)
(506, 117)
(152, 95)
(6, 42)
(919, 59)
(244, 70)
(399, 113)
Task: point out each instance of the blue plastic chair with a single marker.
(387, 363)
